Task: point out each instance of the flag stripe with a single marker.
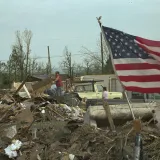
(138, 72)
(148, 78)
(142, 84)
(156, 57)
(148, 42)
(151, 50)
(137, 66)
(143, 90)
(134, 60)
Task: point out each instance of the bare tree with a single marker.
(66, 63)
(18, 48)
(3, 66)
(92, 60)
(96, 60)
(2, 69)
(20, 63)
(41, 68)
(27, 36)
(19, 57)
(94, 56)
(34, 65)
(87, 65)
(78, 69)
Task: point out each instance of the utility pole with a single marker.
(102, 52)
(49, 67)
(70, 65)
(9, 72)
(72, 71)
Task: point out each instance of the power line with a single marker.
(56, 56)
(68, 38)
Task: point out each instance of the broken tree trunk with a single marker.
(41, 86)
(109, 116)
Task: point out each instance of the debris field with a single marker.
(39, 129)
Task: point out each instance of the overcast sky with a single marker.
(72, 23)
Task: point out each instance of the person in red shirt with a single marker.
(59, 83)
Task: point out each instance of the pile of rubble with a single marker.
(36, 129)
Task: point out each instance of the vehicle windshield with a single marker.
(84, 88)
(100, 88)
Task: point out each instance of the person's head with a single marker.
(104, 88)
(57, 73)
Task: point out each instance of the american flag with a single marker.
(136, 61)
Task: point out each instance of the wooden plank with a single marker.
(21, 86)
(109, 116)
(137, 125)
(41, 86)
(25, 88)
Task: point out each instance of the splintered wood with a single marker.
(137, 125)
(109, 116)
(41, 86)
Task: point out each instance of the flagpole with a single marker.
(109, 49)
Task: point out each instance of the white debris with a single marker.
(10, 132)
(67, 107)
(48, 102)
(76, 112)
(38, 157)
(17, 144)
(22, 105)
(10, 153)
(80, 110)
(73, 112)
(71, 156)
(43, 111)
(11, 150)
